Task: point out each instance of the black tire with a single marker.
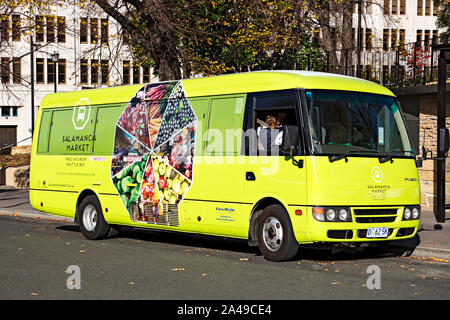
(276, 238)
(90, 216)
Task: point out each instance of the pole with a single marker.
(439, 211)
(55, 65)
(358, 39)
(32, 83)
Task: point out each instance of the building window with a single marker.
(368, 39)
(40, 29)
(6, 111)
(419, 7)
(62, 71)
(394, 7)
(84, 71)
(435, 36)
(4, 33)
(104, 31)
(385, 39)
(105, 71)
(83, 30)
(50, 24)
(427, 7)
(4, 70)
(40, 70)
(419, 36)
(126, 72)
(61, 29)
(435, 9)
(387, 6)
(16, 24)
(146, 74)
(94, 71)
(402, 35)
(136, 74)
(17, 71)
(94, 30)
(402, 7)
(394, 38)
(50, 71)
(426, 38)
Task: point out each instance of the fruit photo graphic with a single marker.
(177, 115)
(128, 182)
(127, 149)
(134, 120)
(152, 178)
(178, 152)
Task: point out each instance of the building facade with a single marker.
(73, 49)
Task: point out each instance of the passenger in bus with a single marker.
(337, 133)
(270, 136)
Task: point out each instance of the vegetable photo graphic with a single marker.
(152, 167)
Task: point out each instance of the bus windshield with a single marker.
(344, 123)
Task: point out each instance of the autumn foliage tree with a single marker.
(206, 37)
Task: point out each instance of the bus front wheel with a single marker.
(276, 238)
(92, 223)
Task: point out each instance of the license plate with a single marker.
(378, 232)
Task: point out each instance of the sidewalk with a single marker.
(434, 237)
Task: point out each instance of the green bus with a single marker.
(280, 158)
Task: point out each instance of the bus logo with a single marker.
(81, 114)
(377, 174)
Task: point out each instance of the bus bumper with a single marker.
(312, 230)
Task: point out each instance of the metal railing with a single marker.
(410, 64)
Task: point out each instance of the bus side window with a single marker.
(105, 128)
(44, 130)
(271, 113)
(224, 133)
(65, 138)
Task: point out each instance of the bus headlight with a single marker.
(343, 214)
(411, 213)
(407, 213)
(332, 214)
(415, 213)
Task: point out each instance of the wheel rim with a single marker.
(89, 217)
(272, 234)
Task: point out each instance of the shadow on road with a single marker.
(306, 252)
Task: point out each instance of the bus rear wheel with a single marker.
(92, 223)
(276, 238)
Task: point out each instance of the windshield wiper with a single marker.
(388, 157)
(348, 153)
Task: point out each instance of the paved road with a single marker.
(156, 265)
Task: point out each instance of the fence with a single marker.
(410, 64)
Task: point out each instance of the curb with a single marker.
(431, 253)
(33, 215)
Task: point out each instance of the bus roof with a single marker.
(237, 83)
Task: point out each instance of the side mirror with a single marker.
(290, 139)
(419, 162)
(443, 140)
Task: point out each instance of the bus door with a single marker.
(270, 172)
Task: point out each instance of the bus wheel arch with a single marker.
(255, 214)
(276, 239)
(81, 196)
(89, 216)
